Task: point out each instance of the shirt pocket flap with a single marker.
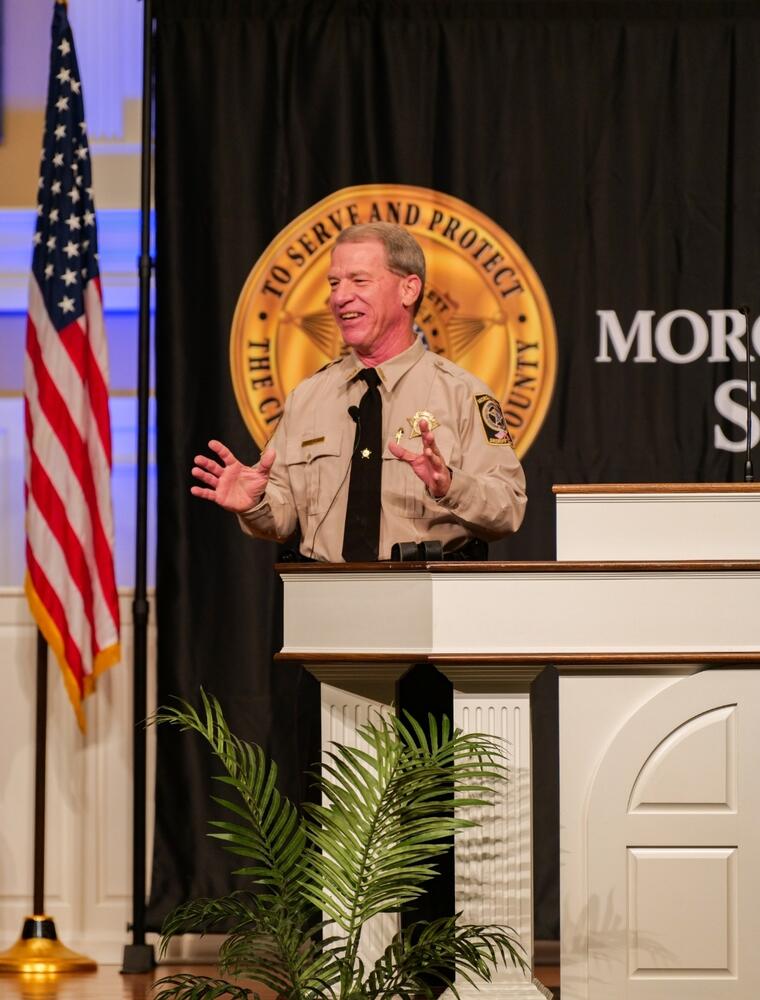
(310, 447)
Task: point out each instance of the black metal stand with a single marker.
(139, 956)
(40, 761)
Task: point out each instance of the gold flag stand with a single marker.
(38, 950)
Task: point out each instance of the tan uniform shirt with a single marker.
(315, 439)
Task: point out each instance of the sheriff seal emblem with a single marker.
(484, 308)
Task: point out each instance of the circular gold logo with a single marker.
(484, 305)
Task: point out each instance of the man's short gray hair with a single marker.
(402, 251)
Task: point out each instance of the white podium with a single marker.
(659, 805)
(626, 634)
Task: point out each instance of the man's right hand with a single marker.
(231, 485)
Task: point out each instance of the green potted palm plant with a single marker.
(314, 878)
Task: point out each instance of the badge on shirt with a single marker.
(414, 422)
(494, 424)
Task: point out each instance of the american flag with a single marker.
(70, 580)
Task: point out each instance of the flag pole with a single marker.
(40, 763)
(38, 948)
(139, 956)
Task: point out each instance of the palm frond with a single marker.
(426, 952)
(273, 837)
(313, 966)
(388, 812)
(187, 986)
(273, 833)
(389, 809)
(202, 916)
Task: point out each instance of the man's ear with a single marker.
(410, 289)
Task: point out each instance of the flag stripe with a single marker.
(97, 364)
(64, 617)
(54, 640)
(58, 493)
(78, 346)
(47, 499)
(65, 376)
(58, 414)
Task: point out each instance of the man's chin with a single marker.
(353, 339)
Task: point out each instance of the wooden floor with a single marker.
(108, 984)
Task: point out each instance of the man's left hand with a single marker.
(428, 465)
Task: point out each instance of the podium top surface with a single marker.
(574, 488)
(536, 566)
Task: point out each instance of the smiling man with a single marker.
(390, 443)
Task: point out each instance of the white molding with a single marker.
(89, 791)
(494, 861)
(342, 715)
(621, 612)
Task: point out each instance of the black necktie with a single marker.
(361, 535)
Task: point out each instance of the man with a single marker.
(391, 443)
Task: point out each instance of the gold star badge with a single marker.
(414, 422)
(365, 452)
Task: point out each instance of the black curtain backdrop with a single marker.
(617, 143)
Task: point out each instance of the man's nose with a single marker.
(341, 293)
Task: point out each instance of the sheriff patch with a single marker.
(494, 424)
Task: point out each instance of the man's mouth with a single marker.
(345, 316)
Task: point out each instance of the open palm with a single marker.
(429, 465)
(231, 485)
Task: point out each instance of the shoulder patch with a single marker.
(492, 418)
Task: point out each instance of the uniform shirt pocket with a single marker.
(403, 490)
(315, 470)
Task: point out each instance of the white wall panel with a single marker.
(89, 792)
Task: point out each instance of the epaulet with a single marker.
(447, 366)
(329, 364)
(319, 371)
(305, 383)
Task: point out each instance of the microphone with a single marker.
(749, 476)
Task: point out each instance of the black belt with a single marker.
(473, 550)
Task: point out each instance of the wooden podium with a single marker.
(624, 633)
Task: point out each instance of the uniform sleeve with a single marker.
(274, 517)
(487, 492)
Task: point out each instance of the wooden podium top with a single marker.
(563, 488)
(538, 566)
